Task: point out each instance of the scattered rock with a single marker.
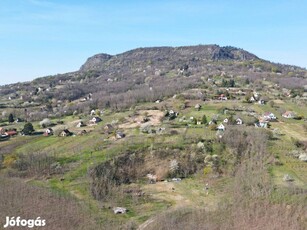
(200, 145)
(288, 178)
(119, 210)
(295, 153)
(303, 157)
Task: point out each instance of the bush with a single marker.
(28, 129)
(45, 123)
(204, 119)
(9, 160)
(34, 164)
(213, 127)
(207, 170)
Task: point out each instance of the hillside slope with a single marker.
(172, 55)
(146, 75)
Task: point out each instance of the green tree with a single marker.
(28, 128)
(224, 83)
(194, 121)
(247, 81)
(204, 120)
(231, 83)
(11, 118)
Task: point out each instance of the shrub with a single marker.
(34, 164)
(9, 160)
(28, 129)
(204, 120)
(45, 123)
(213, 127)
(207, 170)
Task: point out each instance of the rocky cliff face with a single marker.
(95, 62)
(172, 55)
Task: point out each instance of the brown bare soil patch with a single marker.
(137, 120)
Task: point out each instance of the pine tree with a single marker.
(28, 129)
(11, 118)
(204, 120)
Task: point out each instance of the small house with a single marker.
(197, 107)
(269, 116)
(252, 99)
(108, 129)
(48, 132)
(93, 112)
(212, 122)
(261, 102)
(84, 99)
(172, 114)
(11, 133)
(225, 120)
(239, 121)
(95, 120)
(289, 114)
(80, 124)
(120, 135)
(262, 123)
(18, 120)
(66, 133)
(222, 97)
(82, 132)
(221, 127)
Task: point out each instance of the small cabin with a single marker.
(66, 133)
(80, 124)
(11, 133)
(120, 135)
(197, 107)
(222, 97)
(289, 114)
(108, 129)
(239, 121)
(95, 120)
(48, 132)
(82, 132)
(262, 123)
(221, 127)
(269, 116)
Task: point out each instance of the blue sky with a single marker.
(46, 37)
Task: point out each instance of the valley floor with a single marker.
(53, 176)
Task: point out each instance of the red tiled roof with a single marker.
(11, 133)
